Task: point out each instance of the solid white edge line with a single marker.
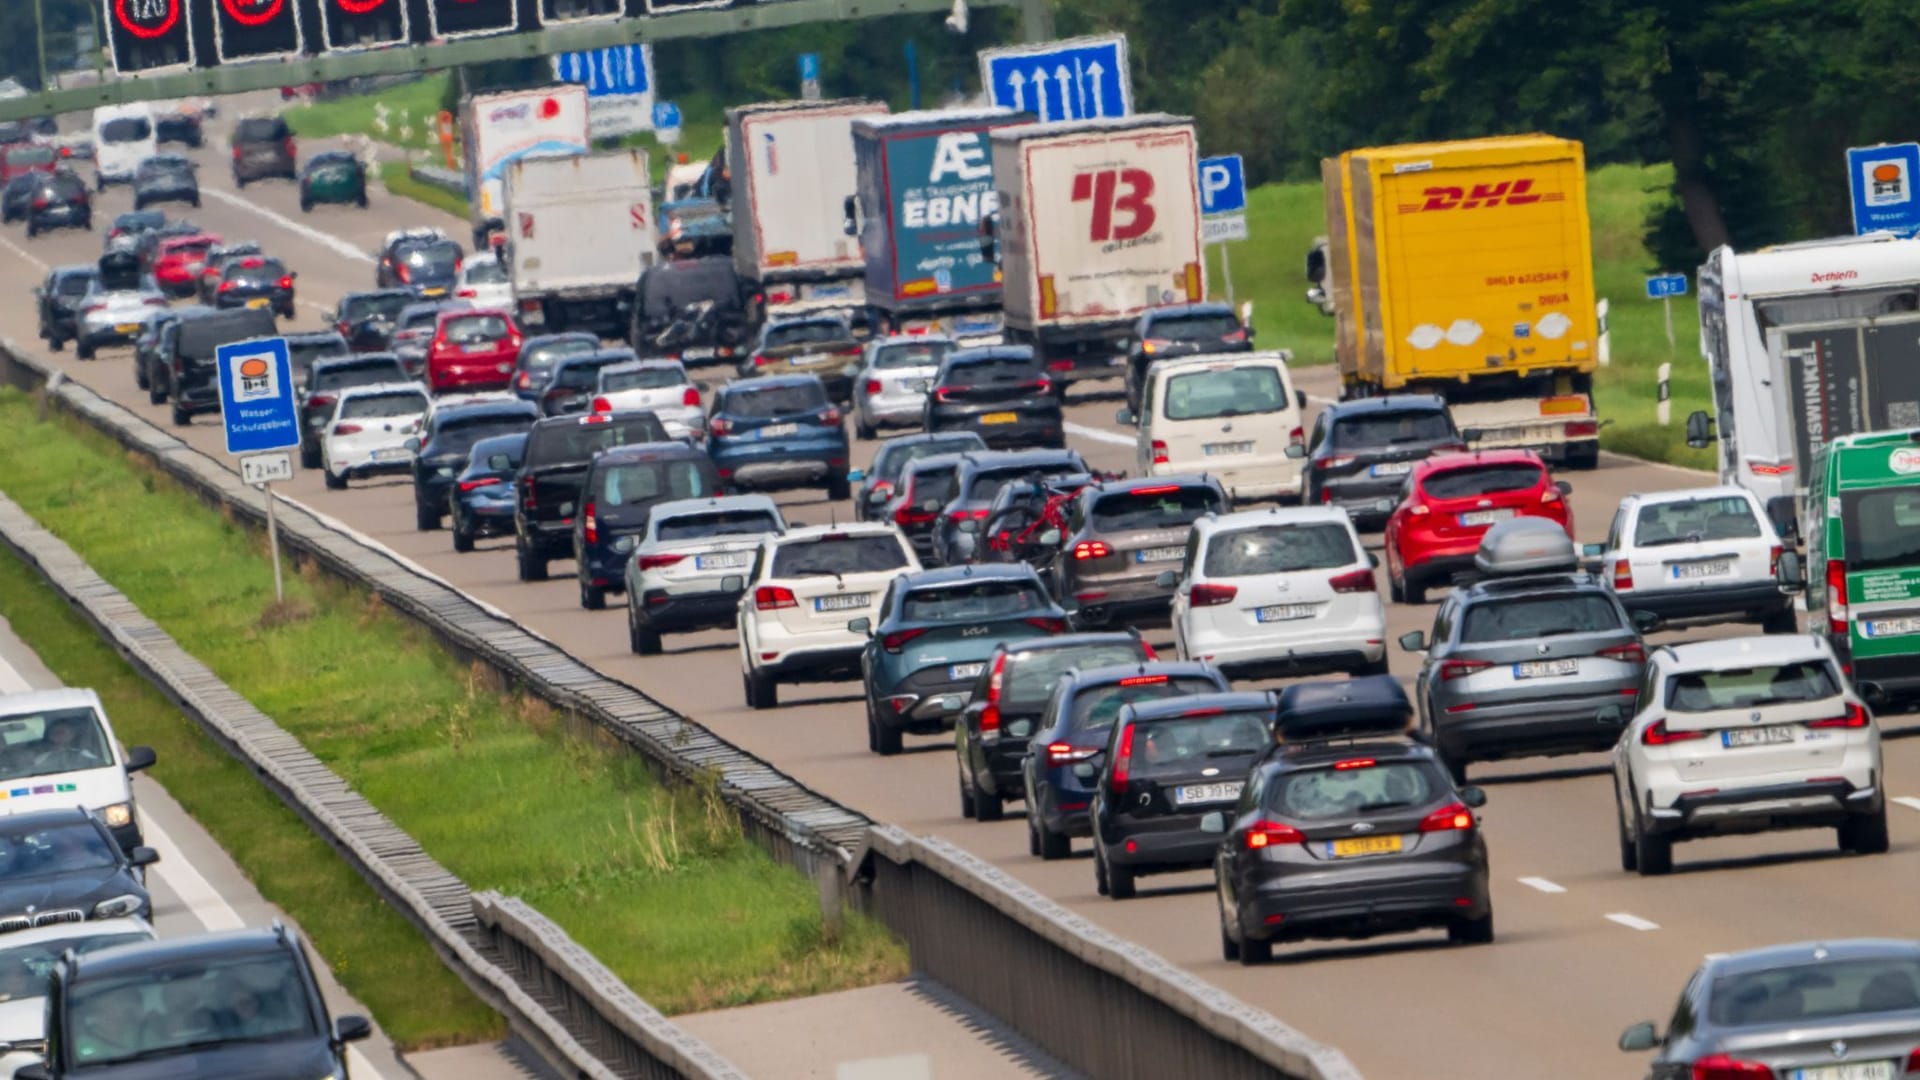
(1542, 884)
(11, 681)
(24, 253)
(1631, 921)
(1907, 801)
(194, 891)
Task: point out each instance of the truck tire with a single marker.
(1585, 458)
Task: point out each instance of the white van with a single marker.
(123, 137)
(57, 750)
(1234, 416)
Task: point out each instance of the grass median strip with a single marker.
(399, 181)
(660, 885)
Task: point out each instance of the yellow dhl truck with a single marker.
(1466, 269)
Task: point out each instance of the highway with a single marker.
(1583, 950)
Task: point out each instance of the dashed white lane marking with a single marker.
(1111, 438)
(1542, 884)
(1632, 922)
(1907, 801)
(324, 239)
(23, 253)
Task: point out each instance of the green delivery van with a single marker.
(1863, 560)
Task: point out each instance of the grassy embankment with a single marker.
(660, 885)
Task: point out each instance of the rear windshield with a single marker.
(1726, 517)
(1813, 992)
(259, 129)
(29, 156)
(759, 402)
(458, 436)
(581, 374)
(1096, 708)
(1237, 391)
(1388, 429)
(987, 483)
(915, 354)
(579, 440)
(441, 257)
(1530, 617)
(935, 485)
(476, 329)
(486, 272)
(376, 406)
(806, 334)
(304, 353)
(718, 523)
(266, 273)
(64, 185)
(1882, 528)
(1481, 480)
(337, 377)
(1153, 508)
(419, 317)
(1192, 740)
(542, 357)
(356, 308)
(1320, 794)
(1193, 327)
(1030, 675)
(126, 129)
(1746, 688)
(201, 336)
(973, 600)
(73, 284)
(1279, 549)
(845, 555)
(160, 165)
(981, 372)
(650, 378)
(895, 461)
(191, 249)
(652, 481)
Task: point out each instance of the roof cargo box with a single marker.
(1369, 705)
(1526, 546)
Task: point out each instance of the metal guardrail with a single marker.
(967, 924)
(450, 180)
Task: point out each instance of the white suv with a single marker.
(803, 590)
(692, 549)
(370, 430)
(1745, 735)
(1265, 593)
(1696, 555)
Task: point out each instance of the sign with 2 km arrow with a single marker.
(1076, 79)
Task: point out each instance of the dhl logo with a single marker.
(1510, 192)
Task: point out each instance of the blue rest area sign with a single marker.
(1223, 185)
(256, 395)
(1881, 180)
(1661, 286)
(1076, 79)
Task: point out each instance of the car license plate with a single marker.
(1689, 571)
(1159, 554)
(774, 431)
(729, 561)
(1853, 1070)
(127, 328)
(829, 292)
(1000, 418)
(393, 454)
(698, 354)
(1284, 612)
(433, 292)
(956, 672)
(841, 601)
(976, 326)
(1391, 468)
(1546, 669)
(919, 386)
(1901, 627)
(1484, 517)
(257, 302)
(1206, 793)
(807, 360)
(1363, 845)
(1215, 449)
(1773, 735)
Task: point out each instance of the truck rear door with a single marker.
(1847, 378)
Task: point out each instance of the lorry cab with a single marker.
(1863, 559)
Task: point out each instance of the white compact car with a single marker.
(1743, 735)
(1236, 417)
(368, 431)
(1283, 591)
(26, 962)
(483, 282)
(805, 587)
(895, 375)
(660, 386)
(677, 576)
(1696, 555)
(59, 750)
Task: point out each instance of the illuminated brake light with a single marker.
(1123, 761)
(691, 397)
(773, 597)
(1167, 489)
(872, 386)
(1448, 818)
(1354, 763)
(1091, 549)
(1266, 834)
(1658, 735)
(1856, 717)
(1062, 753)
(1143, 680)
(601, 404)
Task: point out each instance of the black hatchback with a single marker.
(1360, 452)
(999, 393)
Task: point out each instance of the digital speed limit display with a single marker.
(256, 29)
(363, 24)
(147, 34)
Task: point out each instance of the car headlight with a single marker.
(118, 816)
(624, 544)
(119, 907)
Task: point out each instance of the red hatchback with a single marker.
(177, 264)
(472, 349)
(1449, 503)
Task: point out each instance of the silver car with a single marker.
(676, 574)
(1815, 1010)
(121, 299)
(895, 374)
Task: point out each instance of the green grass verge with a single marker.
(380, 958)
(400, 182)
(660, 885)
(411, 106)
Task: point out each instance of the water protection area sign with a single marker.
(256, 395)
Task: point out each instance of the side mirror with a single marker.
(1563, 487)
(1125, 418)
(1640, 1037)
(348, 1029)
(1700, 430)
(861, 625)
(1414, 641)
(1300, 398)
(1785, 517)
(1473, 797)
(1296, 450)
(1647, 622)
(140, 757)
(733, 583)
(1373, 560)
(855, 476)
(1789, 573)
(1048, 538)
(1167, 579)
(143, 856)
(850, 215)
(1215, 823)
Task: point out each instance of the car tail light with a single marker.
(1123, 761)
(1622, 575)
(655, 562)
(1212, 595)
(1856, 717)
(990, 716)
(592, 524)
(1837, 614)
(895, 641)
(286, 281)
(1658, 735)
(1040, 386)
(1551, 495)
(1722, 1067)
(1633, 653)
(1047, 624)
(1419, 509)
(601, 404)
(720, 426)
(1091, 549)
(1913, 1063)
(1582, 429)
(236, 153)
(320, 401)
(92, 309)
(1065, 753)
(1059, 365)
(476, 485)
(1354, 581)
(773, 597)
(1460, 669)
(1339, 461)
(288, 146)
(1297, 437)
(907, 515)
(1773, 559)
(830, 416)
(691, 397)
(403, 272)
(532, 494)
(1447, 819)
(226, 286)
(40, 202)
(467, 293)
(1266, 834)
(1144, 680)
(873, 386)
(1355, 763)
(1160, 452)
(1234, 338)
(967, 515)
(525, 381)
(347, 429)
(762, 360)
(852, 351)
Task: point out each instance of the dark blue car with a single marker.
(1063, 761)
(443, 449)
(482, 495)
(539, 353)
(779, 432)
(622, 487)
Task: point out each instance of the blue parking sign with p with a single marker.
(256, 395)
(1223, 185)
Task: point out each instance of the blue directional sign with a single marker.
(666, 115)
(1075, 79)
(1881, 179)
(1661, 286)
(1223, 185)
(615, 71)
(256, 396)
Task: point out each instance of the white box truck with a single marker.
(579, 232)
(499, 129)
(790, 165)
(1099, 220)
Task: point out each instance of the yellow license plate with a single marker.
(257, 302)
(1364, 845)
(1000, 418)
(433, 292)
(128, 328)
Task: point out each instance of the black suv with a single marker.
(690, 310)
(621, 489)
(1360, 452)
(999, 393)
(263, 1009)
(1181, 330)
(263, 147)
(547, 489)
(59, 299)
(1348, 828)
(165, 178)
(320, 392)
(187, 347)
(366, 319)
(444, 446)
(980, 479)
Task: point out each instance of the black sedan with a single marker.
(64, 866)
(59, 201)
(482, 495)
(256, 282)
(443, 448)
(999, 393)
(166, 178)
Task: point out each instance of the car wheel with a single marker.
(1456, 767)
(887, 741)
(1783, 621)
(239, 181)
(309, 457)
(1229, 948)
(1099, 871)
(969, 805)
(839, 488)
(1584, 458)
(182, 418)
(82, 350)
(33, 229)
(1253, 953)
(1652, 855)
(645, 640)
(988, 807)
(1865, 834)
(1119, 882)
(306, 205)
(1395, 591)
(462, 540)
(361, 200)
(424, 518)
(532, 567)
(157, 395)
(862, 429)
(592, 597)
(194, 202)
(1053, 845)
(1472, 931)
(1372, 667)
(1629, 854)
(335, 482)
(761, 691)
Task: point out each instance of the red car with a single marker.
(1449, 503)
(472, 349)
(178, 261)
